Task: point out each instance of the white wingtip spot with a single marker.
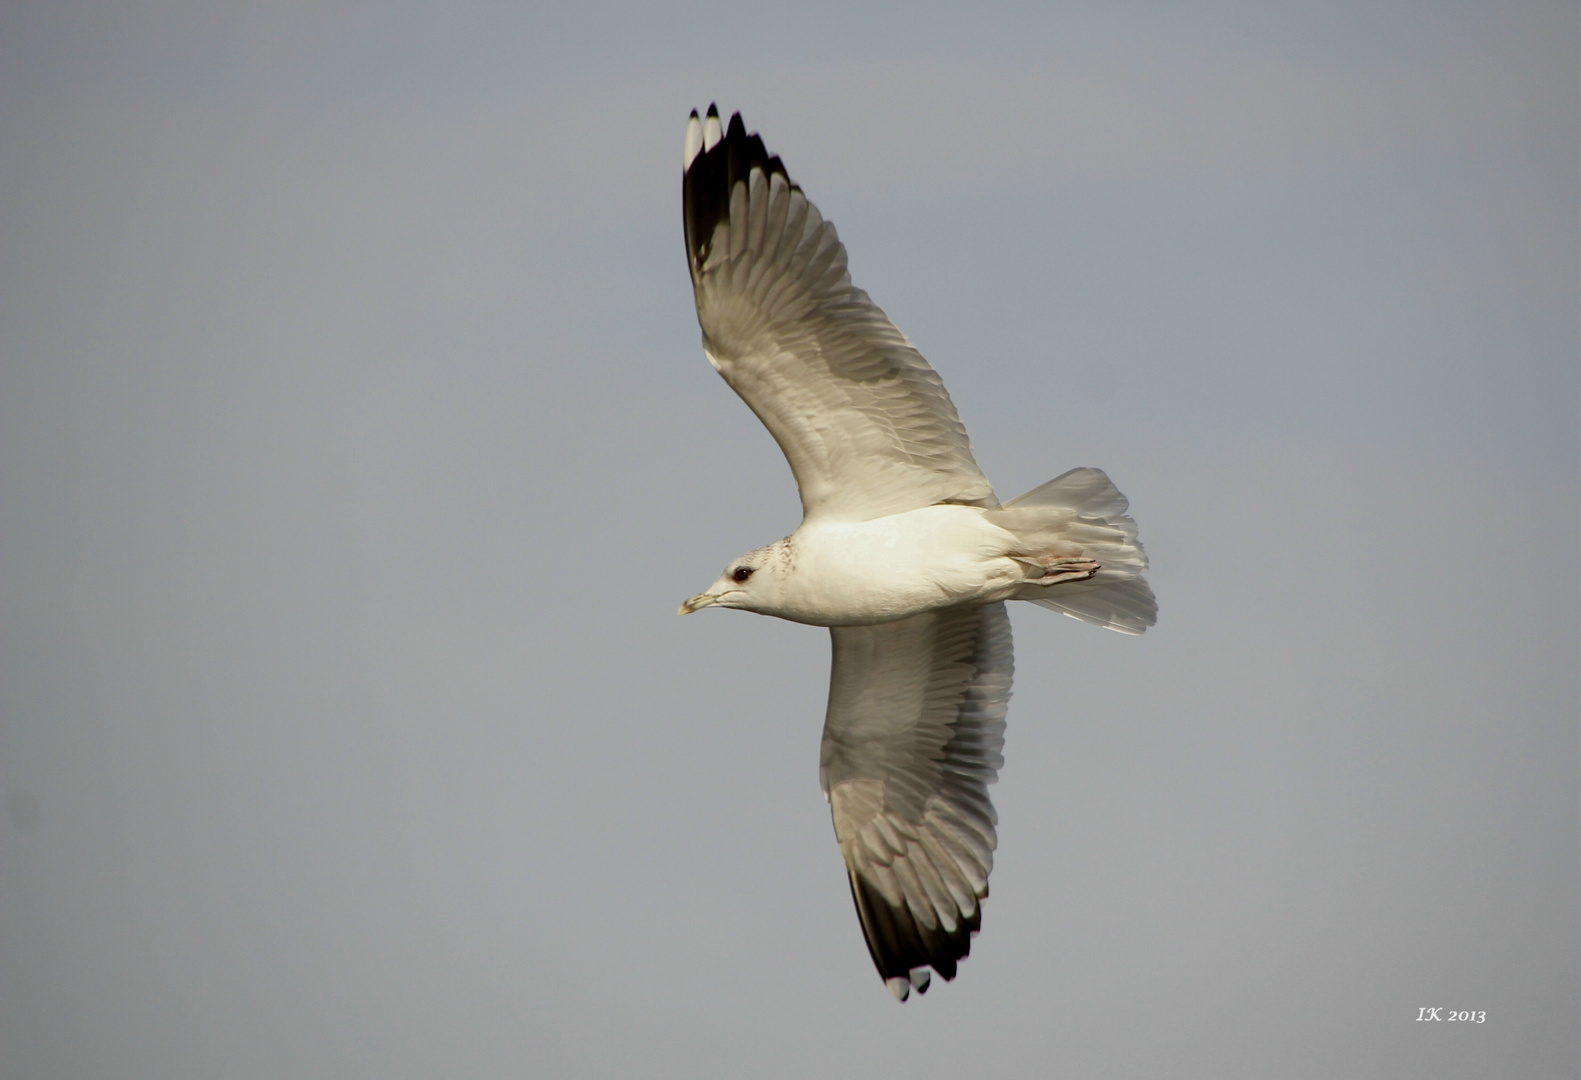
(694, 141)
(900, 987)
(921, 977)
(712, 132)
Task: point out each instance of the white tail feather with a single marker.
(1081, 512)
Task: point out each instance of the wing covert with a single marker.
(913, 738)
(863, 419)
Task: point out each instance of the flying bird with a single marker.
(903, 551)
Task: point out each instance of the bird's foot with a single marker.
(1054, 569)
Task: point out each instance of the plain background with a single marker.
(356, 446)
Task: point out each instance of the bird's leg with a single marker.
(1053, 569)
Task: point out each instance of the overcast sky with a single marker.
(356, 446)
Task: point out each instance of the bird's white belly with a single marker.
(855, 573)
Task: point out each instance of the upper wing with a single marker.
(913, 737)
(864, 421)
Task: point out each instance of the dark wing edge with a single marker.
(913, 738)
(711, 174)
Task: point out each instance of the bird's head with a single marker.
(751, 582)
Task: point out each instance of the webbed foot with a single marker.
(1053, 569)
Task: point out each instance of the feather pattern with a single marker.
(912, 739)
(864, 421)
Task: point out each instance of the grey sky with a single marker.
(356, 445)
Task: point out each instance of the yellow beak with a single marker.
(701, 600)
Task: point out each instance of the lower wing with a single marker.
(911, 742)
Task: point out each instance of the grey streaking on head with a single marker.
(903, 550)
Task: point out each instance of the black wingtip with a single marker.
(713, 174)
(900, 945)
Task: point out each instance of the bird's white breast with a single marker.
(853, 573)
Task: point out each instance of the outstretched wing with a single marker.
(912, 740)
(863, 419)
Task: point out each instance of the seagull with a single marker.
(903, 551)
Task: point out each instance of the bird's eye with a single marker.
(742, 573)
